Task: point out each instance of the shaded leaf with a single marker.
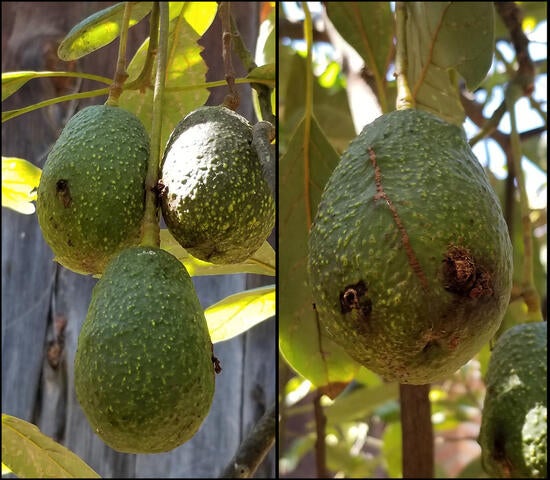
(31, 454)
(265, 72)
(368, 28)
(331, 108)
(239, 312)
(261, 262)
(99, 30)
(20, 179)
(303, 346)
(391, 449)
(444, 38)
(185, 69)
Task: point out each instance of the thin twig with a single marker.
(120, 74)
(320, 445)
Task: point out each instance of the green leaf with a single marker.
(303, 345)
(391, 449)
(31, 454)
(261, 263)
(368, 28)
(265, 72)
(99, 30)
(444, 38)
(331, 108)
(185, 77)
(360, 403)
(239, 312)
(20, 179)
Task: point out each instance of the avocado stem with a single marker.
(151, 227)
(120, 75)
(404, 98)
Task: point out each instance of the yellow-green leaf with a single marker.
(99, 30)
(20, 178)
(31, 454)
(200, 15)
(262, 262)
(239, 312)
(13, 81)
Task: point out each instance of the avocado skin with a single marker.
(91, 196)
(143, 368)
(216, 204)
(513, 434)
(407, 324)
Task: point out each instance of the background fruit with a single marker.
(143, 369)
(409, 254)
(514, 422)
(217, 203)
(91, 194)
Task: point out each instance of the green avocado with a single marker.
(217, 203)
(143, 369)
(91, 196)
(514, 421)
(410, 262)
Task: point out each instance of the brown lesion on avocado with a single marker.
(463, 275)
(382, 195)
(354, 297)
(63, 192)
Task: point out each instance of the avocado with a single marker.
(91, 196)
(514, 420)
(143, 369)
(410, 261)
(216, 202)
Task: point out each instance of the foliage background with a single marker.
(44, 305)
(362, 433)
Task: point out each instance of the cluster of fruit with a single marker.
(144, 368)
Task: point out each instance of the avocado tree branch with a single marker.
(231, 100)
(320, 445)
(254, 448)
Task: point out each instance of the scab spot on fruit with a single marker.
(63, 192)
(463, 276)
(354, 297)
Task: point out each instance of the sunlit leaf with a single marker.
(265, 72)
(261, 262)
(31, 454)
(199, 15)
(444, 38)
(239, 312)
(20, 178)
(99, 30)
(302, 343)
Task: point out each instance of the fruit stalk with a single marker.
(404, 97)
(151, 228)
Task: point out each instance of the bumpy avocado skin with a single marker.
(216, 203)
(91, 197)
(514, 421)
(410, 262)
(143, 368)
